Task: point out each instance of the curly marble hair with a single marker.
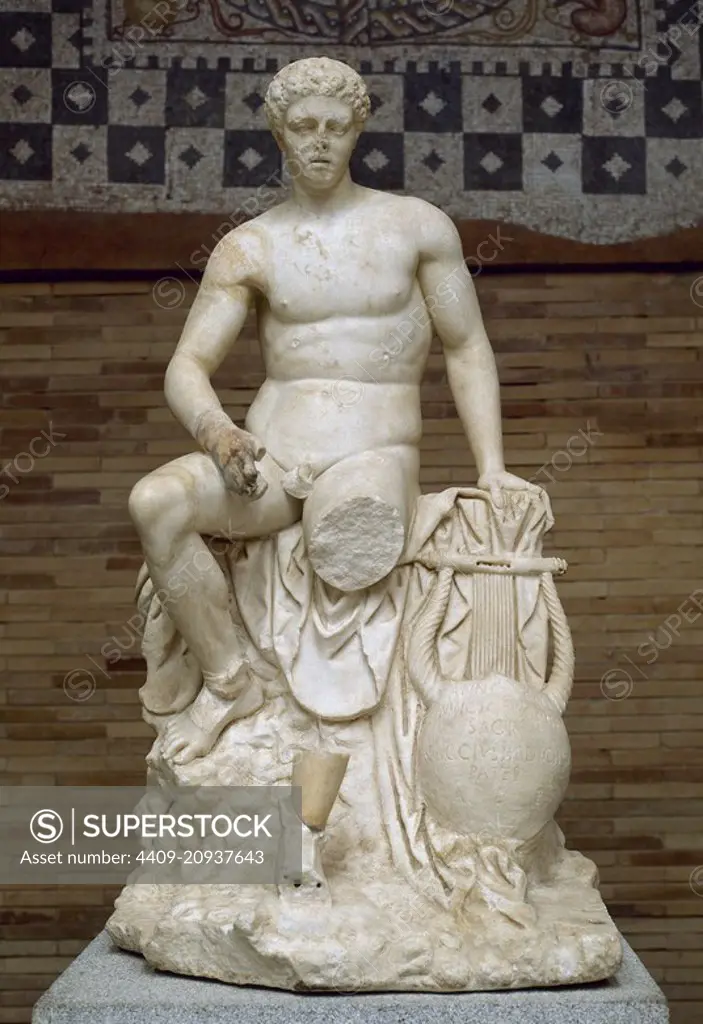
(315, 76)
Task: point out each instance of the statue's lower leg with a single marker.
(194, 594)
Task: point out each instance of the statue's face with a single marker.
(319, 135)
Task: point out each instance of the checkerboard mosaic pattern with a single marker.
(588, 148)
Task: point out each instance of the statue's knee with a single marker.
(160, 502)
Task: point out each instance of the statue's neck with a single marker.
(337, 198)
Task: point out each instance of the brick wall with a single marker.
(601, 385)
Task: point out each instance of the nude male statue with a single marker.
(331, 272)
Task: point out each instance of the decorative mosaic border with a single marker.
(105, 45)
(604, 152)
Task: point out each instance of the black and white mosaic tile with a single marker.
(479, 108)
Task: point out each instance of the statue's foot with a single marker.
(183, 740)
(194, 732)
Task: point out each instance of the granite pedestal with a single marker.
(106, 985)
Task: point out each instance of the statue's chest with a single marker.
(316, 274)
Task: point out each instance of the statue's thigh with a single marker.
(222, 513)
(358, 514)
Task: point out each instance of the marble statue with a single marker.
(386, 651)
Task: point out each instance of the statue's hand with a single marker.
(497, 480)
(235, 452)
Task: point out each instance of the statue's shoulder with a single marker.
(418, 215)
(392, 202)
(425, 214)
(240, 255)
(254, 236)
(245, 238)
(430, 229)
(414, 216)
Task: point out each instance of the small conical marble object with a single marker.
(319, 775)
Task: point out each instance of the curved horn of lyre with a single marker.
(561, 678)
(423, 666)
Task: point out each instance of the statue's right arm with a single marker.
(213, 325)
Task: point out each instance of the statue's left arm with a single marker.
(452, 304)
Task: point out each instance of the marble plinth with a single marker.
(106, 985)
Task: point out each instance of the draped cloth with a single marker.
(336, 649)
(342, 655)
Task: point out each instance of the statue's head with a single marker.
(316, 109)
